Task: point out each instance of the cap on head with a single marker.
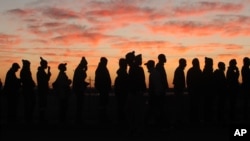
(43, 62)
(150, 64)
(62, 66)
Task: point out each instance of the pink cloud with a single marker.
(200, 8)
(225, 25)
(21, 12)
(81, 38)
(8, 40)
(60, 13)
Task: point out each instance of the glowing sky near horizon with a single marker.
(65, 30)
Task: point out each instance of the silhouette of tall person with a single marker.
(220, 83)
(137, 87)
(103, 85)
(156, 91)
(28, 85)
(194, 81)
(43, 78)
(160, 68)
(62, 89)
(232, 76)
(245, 73)
(11, 89)
(179, 87)
(79, 86)
(121, 91)
(208, 90)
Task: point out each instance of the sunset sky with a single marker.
(65, 30)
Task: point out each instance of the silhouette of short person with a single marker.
(232, 76)
(245, 73)
(11, 89)
(220, 83)
(79, 86)
(137, 87)
(103, 85)
(121, 90)
(43, 78)
(194, 81)
(62, 89)
(156, 90)
(179, 82)
(208, 90)
(28, 85)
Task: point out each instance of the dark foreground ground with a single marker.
(92, 129)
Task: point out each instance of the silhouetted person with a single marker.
(179, 87)
(121, 90)
(156, 92)
(220, 83)
(62, 89)
(43, 87)
(137, 87)
(232, 76)
(28, 86)
(11, 89)
(164, 80)
(103, 85)
(194, 81)
(208, 90)
(79, 87)
(245, 73)
(160, 68)
(179, 78)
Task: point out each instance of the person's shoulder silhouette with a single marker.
(12, 83)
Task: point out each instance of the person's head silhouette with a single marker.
(62, 67)
(138, 59)
(221, 66)
(182, 63)
(122, 63)
(43, 63)
(196, 63)
(162, 58)
(15, 67)
(150, 65)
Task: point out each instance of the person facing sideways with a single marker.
(11, 88)
(245, 73)
(28, 85)
(156, 91)
(232, 76)
(220, 83)
(121, 90)
(62, 89)
(103, 85)
(179, 77)
(194, 81)
(43, 78)
(79, 87)
(179, 87)
(160, 68)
